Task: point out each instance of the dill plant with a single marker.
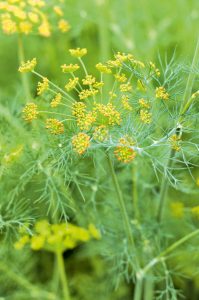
(139, 122)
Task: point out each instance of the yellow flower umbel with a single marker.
(63, 25)
(30, 112)
(71, 84)
(103, 68)
(145, 116)
(70, 68)
(28, 66)
(125, 102)
(56, 101)
(42, 86)
(161, 93)
(57, 237)
(81, 142)
(78, 52)
(124, 151)
(54, 126)
(100, 133)
(88, 80)
(109, 114)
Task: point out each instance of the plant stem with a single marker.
(164, 188)
(148, 288)
(138, 289)
(24, 76)
(187, 100)
(135, 192)
(62, 274)
(127, 225)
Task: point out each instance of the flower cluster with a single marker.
(124, 152)
(56, 237)
(54, 126)
(30, 112)
(98, 111)
(28, 66)
(28, 16)
(161, 93)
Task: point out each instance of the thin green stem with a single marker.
(127, 225)
(62, 274)
(187, 101)
(135, 192)
(83, 66)
(164, 188)
(24, 76)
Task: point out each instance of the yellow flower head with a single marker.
(56, 101)
(125, 102)
(25, 27)
(63, 26)
(103, 68)
(110, 113)
(42, 86)
(70, 68)
(100, 133)
(120, 77)
(161, 93)
(124, 152)
(28, 66)
(44, 29)
(54, 126)
(85, 122)
(71, 84)
(145, 116)
(37, 242)
(22, 242)
(88, 80)
(78, 52)
(30, 112)
(84, 94)
(144, 103)
(79, 109)
(126, 87)
(81, 142)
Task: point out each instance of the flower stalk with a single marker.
(62, 274)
